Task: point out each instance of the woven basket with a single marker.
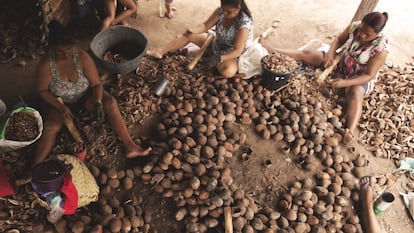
(82, 178)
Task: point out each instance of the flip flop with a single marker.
(364, 186)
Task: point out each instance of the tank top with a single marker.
(69, 91)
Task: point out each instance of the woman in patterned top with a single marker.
(233, 35)
(365, 51)
(67, 71)
(116, 14)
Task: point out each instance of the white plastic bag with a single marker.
(9, 145)
(409, 202)
(250, 60)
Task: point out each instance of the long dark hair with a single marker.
(376, 20)
(236, 3)
(59, 34)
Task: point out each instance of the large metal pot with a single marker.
(115, 36)
(276, 81)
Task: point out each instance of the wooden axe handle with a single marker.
(200, 54)
(71, 126)
(228, 220)
(264, 34)
(329, 69)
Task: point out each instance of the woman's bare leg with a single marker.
(110, 9)
(309, 56)
(131, 9)
(354, 99)
(114, 117)
(177, 43)
(370, 221)
(228, 69)
(52, 126)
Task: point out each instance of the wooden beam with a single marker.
(364, 8)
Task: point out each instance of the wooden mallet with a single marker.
(71, 126)
(325, 73)
(228, 220)
(200, 54)
(266, 33)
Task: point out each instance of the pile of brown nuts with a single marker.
(279, 63)
(22, 126)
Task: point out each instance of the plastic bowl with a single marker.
(48, 176)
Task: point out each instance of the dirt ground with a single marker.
(300, 22)
(266, 173)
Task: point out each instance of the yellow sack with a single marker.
(82, 178)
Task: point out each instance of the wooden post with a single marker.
(364, 8)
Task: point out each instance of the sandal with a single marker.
(368, 183)
(365, 185)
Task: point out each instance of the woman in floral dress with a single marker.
(233, 35)
(365, 51)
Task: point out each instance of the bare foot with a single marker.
(156, 53)
(124, 23)
(24, 179)
(261, 39)
(366, 189)
(134, 151)
(170, 13)
(348, 137)
(135, 15)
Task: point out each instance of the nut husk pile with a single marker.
(77, 147)
(22, 126)
(15, 42)
(387, 127)
(279, 63)
(123, 51)
(189, 166)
